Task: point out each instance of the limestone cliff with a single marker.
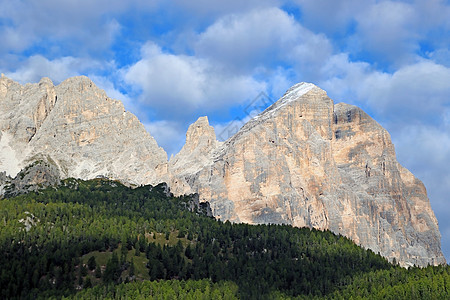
(307, 162)
(78, 128)
(303, 161)
(194, 156)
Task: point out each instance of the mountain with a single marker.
(307, 162)
(78, 128)
(303, 161)
(99, 239)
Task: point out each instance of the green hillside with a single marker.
(100, 239)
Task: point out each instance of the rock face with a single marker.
(35, 176)
(196, 153)
(307, 162)
(77, 128)
(303, 161)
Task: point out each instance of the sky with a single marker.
(171, 62)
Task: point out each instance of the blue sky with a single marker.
(172, 62)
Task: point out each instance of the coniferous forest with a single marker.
(99, 239)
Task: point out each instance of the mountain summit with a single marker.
(307, 162)
(303, 161)
(77, 127)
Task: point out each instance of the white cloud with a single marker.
(331, 16)
(178, 85)
(37, 66)
(262, 37)
(389, 29)
(425, 150)
(416, 93)
(440, 56)
(246, 39)
(205, 9)
(86, 26)
(392, 32)
(170, 135)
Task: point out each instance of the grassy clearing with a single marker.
(140, 262)
(140, 265)
(100, 257)
(173, 239)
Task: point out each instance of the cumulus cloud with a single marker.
(211, 10)
(37, 66)
(416, 93)
(178, 85)
(63, 26)
(385, 29)
(330, 16)
(392, 32)
(262, 37)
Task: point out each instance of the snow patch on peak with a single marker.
(291, 95)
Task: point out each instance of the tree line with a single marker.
(45, 236)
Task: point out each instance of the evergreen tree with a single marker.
(137, 250)
(132, 268)
(98, 271)
(92, 264)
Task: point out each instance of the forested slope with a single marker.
(100, 239)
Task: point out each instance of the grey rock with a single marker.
(32, 178)
(307, 162)
(303, 161)
(81, 130)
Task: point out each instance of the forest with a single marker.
(99, 239)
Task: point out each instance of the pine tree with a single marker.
(132, 268)
(87, 283)
(98, 271)
(137, 251)
(92, 263)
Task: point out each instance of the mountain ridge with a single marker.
(303, 161)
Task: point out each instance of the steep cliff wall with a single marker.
(307, 162)
(303, 161)
(77, 127)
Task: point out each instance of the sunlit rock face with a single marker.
(303, 161)
(307, 162)
(78, 128)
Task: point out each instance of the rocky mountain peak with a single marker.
(196, 153)
(292, 94)
(79, 129)
(307, 162)
(303, 161)
(200, 135)
(46, 81)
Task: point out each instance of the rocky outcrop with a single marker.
(193, 157)
(78, 128)
(306, 162)
(35, 176)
